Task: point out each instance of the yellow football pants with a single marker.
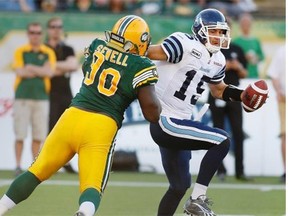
(89, 134)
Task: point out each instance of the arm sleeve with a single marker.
(18, 59)
(218, 77)
(52, 59)
(147, 76)
(173, 47)
(70, 51)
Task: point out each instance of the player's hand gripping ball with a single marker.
(254, 96)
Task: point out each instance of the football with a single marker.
(254, 96)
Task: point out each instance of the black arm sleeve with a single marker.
(232, 93)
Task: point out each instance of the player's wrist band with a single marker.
(232, 93)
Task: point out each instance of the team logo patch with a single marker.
(86, 52)
(41, 56)
(154, 72)
(196, 53)
(144, 37)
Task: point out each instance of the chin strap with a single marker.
(212, 49)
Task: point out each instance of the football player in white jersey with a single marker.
(187, 63)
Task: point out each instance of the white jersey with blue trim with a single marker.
(183, 77)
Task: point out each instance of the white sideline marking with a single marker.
(261, 187)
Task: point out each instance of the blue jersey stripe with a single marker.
(174, 48)
(166, 47)
(179, 49)
(220, 76)
(170, 49)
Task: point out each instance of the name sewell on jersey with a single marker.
(111, 79)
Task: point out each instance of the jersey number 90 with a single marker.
(98, 59)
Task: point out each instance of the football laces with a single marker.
(259, 100)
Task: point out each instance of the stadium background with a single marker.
(262, 148)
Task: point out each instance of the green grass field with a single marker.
(138, 194)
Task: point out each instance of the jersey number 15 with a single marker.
(181, 93)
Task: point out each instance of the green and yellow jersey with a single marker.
(36, 88)
(251, 44)
(111, 79)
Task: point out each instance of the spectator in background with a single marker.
(146, 7)
(63, 5)
(185, 7)
(233, 8)
(250, 44)
(277, 73)
(133, 6)
(20, 5)
(52, 5)
(34, 64)
(49, 6)
(61, 94)
(116, 6)
(221, 110)
(101, 5)
(82, 6)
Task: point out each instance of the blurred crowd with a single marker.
(171, 7)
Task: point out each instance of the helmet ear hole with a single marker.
(127, 46)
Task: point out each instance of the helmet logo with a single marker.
(144, 37)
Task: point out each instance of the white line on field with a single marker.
(261, 187)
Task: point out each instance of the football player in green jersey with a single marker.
(116, 72)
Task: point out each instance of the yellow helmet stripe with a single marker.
(124, 25)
